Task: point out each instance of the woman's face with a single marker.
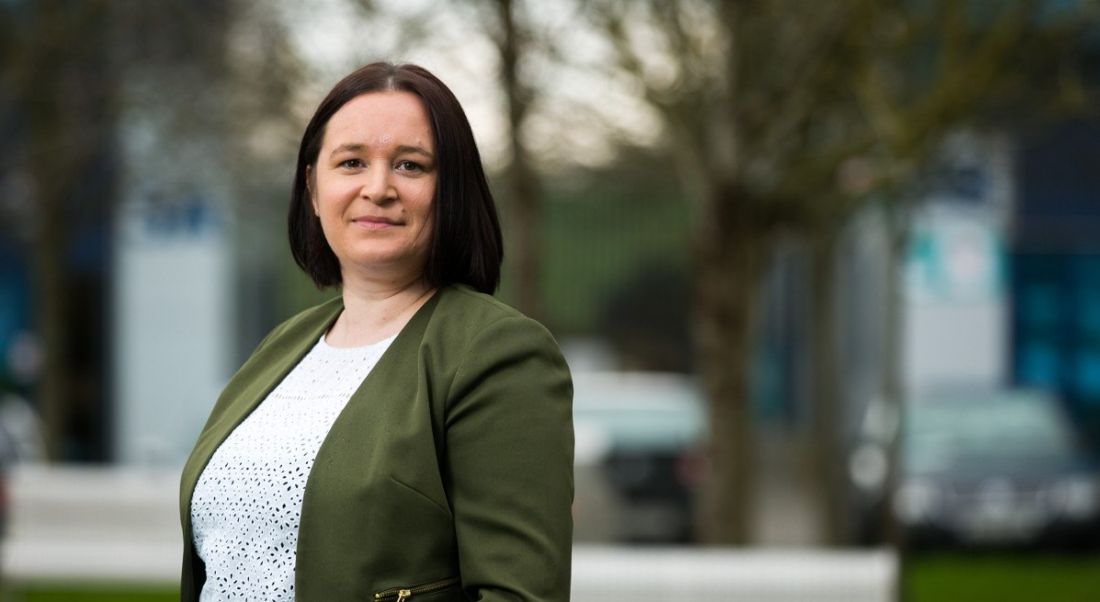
(373, 183)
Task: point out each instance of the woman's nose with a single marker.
(377, 185)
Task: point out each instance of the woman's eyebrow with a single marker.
(404, 148)
(351, 146)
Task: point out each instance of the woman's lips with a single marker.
(374, 223)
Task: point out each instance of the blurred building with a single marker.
(955, 328)
(14, 309)
(1055, 269)
(1001, 280)
(952, 275)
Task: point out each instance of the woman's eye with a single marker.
(351, 163)
(409, 166)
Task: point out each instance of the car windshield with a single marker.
(944, 433)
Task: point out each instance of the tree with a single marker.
(78, 78)
(524, 199)
(61, 81)
(784, 116)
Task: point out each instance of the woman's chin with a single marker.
(391, 266)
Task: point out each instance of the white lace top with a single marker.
(247, 503)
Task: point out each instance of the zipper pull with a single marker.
(403, 594)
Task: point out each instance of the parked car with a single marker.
(982, 468)
(638, 456)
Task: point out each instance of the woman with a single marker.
(411, 439)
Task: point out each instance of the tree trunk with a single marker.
(730, 256)
(51, 312)
(523, 198)
(66, 93)
(50, 166)
(826, 453)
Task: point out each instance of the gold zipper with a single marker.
(402, 594)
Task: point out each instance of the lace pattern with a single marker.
(246, 508)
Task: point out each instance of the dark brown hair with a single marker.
(466, 245)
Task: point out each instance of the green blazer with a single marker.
(449, 474)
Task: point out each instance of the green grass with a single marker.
(1003, 578)
(929, 578)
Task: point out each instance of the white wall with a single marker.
(173, 331)
(956, 302)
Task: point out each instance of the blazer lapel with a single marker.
(248, 388)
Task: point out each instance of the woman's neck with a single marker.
(376, 311)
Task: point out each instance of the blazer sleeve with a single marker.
(509, 464)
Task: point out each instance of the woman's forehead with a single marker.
(380, 120)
